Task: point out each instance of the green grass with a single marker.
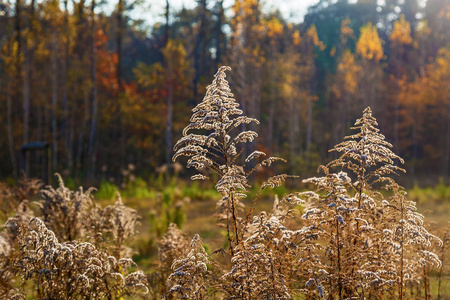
(106, 191)
(437, 193)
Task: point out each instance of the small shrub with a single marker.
(106, 191)
(71, 270)
(82, 255)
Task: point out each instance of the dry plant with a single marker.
(171, 246)
(374, 243)
(7, 283)
(263, 251)
(12, 198)
(334, 213)
(71, 270)
(121, 222)
(263, 266)
(14, 201)
(217, 148)
(443, 277)
(64, 210)
(61, 262)
(74, 215)
(191, 277)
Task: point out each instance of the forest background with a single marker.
(111, 93)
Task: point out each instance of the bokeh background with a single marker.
(109, 85)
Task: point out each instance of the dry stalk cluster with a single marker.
(375, 245)
(75, 250)
(72, 270)
(361, 237)
(172, 246)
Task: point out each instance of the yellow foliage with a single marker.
(401, 33)
(445, 13)
(427, 90)
(175, 53)
(296, 39)
(290, 74)
(440, 71)
(273, 26)
(312, 34)
(333, 51)
(176, 68)
(349, 72)
(11, 57)
(346, 31)
(245, 7)
(423, 28)
(369, 45)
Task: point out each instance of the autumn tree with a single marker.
(167, 83)
(400, 37)
(308, 46)
(369, 49)
(346, 81)
(246, 57)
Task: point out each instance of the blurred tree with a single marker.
(67, 78)
(273, 68)
(167, 82)
(246, 58)
(345, 89)
(400, 37)
(199, 52)
(370, 51)
(308, 46)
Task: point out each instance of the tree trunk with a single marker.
(27, 82)
(65, 84)
(81, 131)
(292, 133)
(446, 156)
(71, 136)
(92, 136)
(169, 119)
(199, 45)
(167, 28)
(12, 153)
(54, 101)
(26, 96)
(415, 150)
(121, 8)
(18, 27)
(397, 102)
(309, 130)
(219, 33)
(271, 108)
